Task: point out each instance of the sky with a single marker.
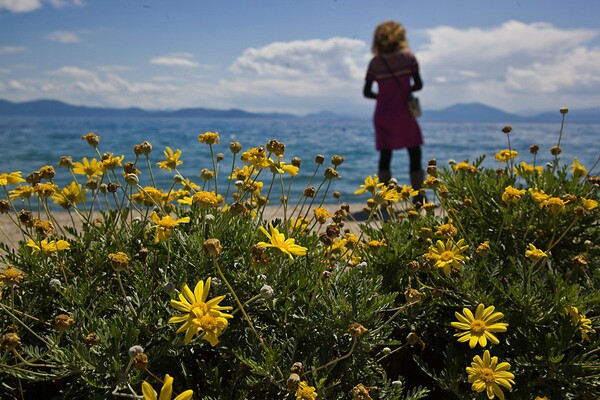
(296, 56)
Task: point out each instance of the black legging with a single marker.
(414, 155)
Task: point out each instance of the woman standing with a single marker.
(396, 71)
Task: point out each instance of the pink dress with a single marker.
(395, 127)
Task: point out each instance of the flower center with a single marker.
(487, 375)
(201, 307)
(167, 223)
(209, 323)
(477, 326)
(447, 255)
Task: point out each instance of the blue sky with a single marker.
(297, 56)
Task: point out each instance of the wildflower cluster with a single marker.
(504, 259)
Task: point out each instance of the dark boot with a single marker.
(416, 181)
(385, 176)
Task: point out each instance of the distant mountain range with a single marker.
(473, 112)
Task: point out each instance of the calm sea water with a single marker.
(28, 143)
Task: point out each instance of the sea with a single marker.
(27, 143)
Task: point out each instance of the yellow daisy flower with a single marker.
(406, 192)
(171, 159)
(578, 169)
(86, 167)
(512, 195)
(478, 328)
(11, 178)
(278, 241)
(505, 155)
(200, 315)
(48, 246)
(165, 225)
(488, 375)
(448, 256)
(534, 253)
(589, 204)
(209, 138)
(371, 185)
(70, 195)
(165, 392)
(306, 392)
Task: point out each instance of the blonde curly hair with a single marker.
(389, 36)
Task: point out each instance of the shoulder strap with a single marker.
(390, 69)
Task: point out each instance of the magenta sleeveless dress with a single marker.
(395, 127)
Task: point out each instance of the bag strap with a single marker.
(390, 69)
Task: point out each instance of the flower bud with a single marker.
(267, 292)
(133, 350)
(92, 139)
(63, 322)
(564, 110)
(320, 159)
(213, 247)
(296, 161)
(337, 160)
(235, 147)
(132, 179)
(293, 381)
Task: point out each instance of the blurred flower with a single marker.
(506, 155)
(119, 261)
(278, 241)
(209, 138)
(448, 229)
(45, 189)
(63, 322)
(555, 150)
(70, 195)
(255, 157)
(48, 246)
(361, 392)
(371, 184)
(386, 193)
(200, 315)
(321, 215)
(525, 168)
(171, 159)
(280, 167)
(585, 328)
(204, 199)
(578, 169)
(553, 205)
(512, 195)
(109, 162)
(9, 341)
(92, 139)
(538, 195)
(448, 256)
(165, 225)
(356, 329)
(23, 192)
(488, 375)
(11, 276)
(306, 392)
(589, 204)
(534, 253)
(165, 392)
(11, 178)
(406, 192)
(479, 327)
(89, 168)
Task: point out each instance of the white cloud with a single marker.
(508, 66)
(65, 3)
(20, 6)
(113, 68)
(12, 49)
(336, 58)
(24, 6)
(66, 37)
(176, 60)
